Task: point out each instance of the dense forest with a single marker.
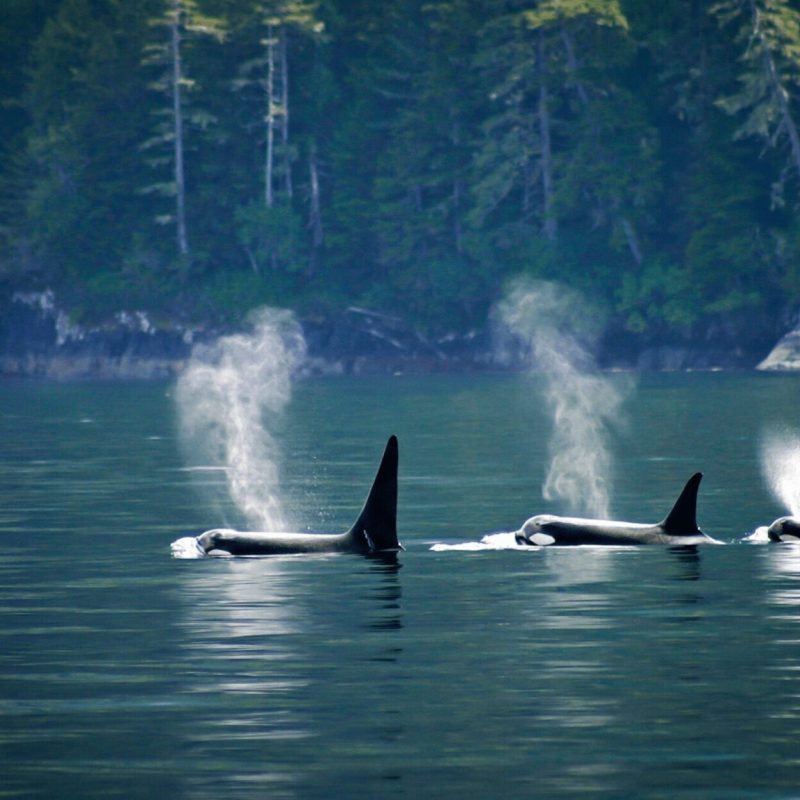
(201, 157)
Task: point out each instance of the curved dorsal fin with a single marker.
(376, 525)
(682, 520)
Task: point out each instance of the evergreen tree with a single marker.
(768, 31)
(353, 131)
(513, 167)
(409, 153)
(86, 104)
(21, 22)
(269, 229)
(610, 173)
(719, 231)
(566, 142)
(421, 183)
(179, 20)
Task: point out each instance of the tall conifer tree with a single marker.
(768, 33)
(180, 19)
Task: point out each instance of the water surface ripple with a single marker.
(637, 673)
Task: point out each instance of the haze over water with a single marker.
(642, 673)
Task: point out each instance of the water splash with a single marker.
(780, 465)
(491, 541)
(556, 327)
(187, 547)
(225, 395)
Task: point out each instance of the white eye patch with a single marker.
(541, 539)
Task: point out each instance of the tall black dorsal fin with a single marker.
(682, 520)
(376, 526)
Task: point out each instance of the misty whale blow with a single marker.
(678, 528)
(374, 531)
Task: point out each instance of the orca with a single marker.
(679, 527)
(373, 532)
(785, 529)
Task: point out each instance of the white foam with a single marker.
(492, 541)
(758, 536)
(187, 547)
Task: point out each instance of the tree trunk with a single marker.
(315, 216)
(287, 162)
(778, 90)
(458, 194)
(572, 65)
(550, 222)
(632, 239)
(270, 120)
(177, 111)
(314, 210)
(458, 233)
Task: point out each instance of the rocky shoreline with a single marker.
(39, 340)
(785, 356)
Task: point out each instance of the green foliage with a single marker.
(77, 210)
(768, 33)
(271, 238)
(596, 12)
(659, 296)
(409, 155)
(178, 24)
(230, 296)
(786, 247)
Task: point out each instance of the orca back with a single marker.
(375, 530)
(682, 519)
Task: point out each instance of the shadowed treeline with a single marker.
(200, 158)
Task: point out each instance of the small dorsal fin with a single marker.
(682, 520)
(376, 525)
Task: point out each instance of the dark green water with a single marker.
(637, 673)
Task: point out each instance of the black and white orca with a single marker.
(785, 529)
(679, 527)
(374, 531)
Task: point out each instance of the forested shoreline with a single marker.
(197, 158)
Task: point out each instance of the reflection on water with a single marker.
(638, 672)
(237, 634)
(385, 599)
(256, 636)
(593, 565)
(781, 665)
(783, 563)
(784, 559)
(237, 610)
(573, 675)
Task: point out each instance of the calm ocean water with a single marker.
(637, 673)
